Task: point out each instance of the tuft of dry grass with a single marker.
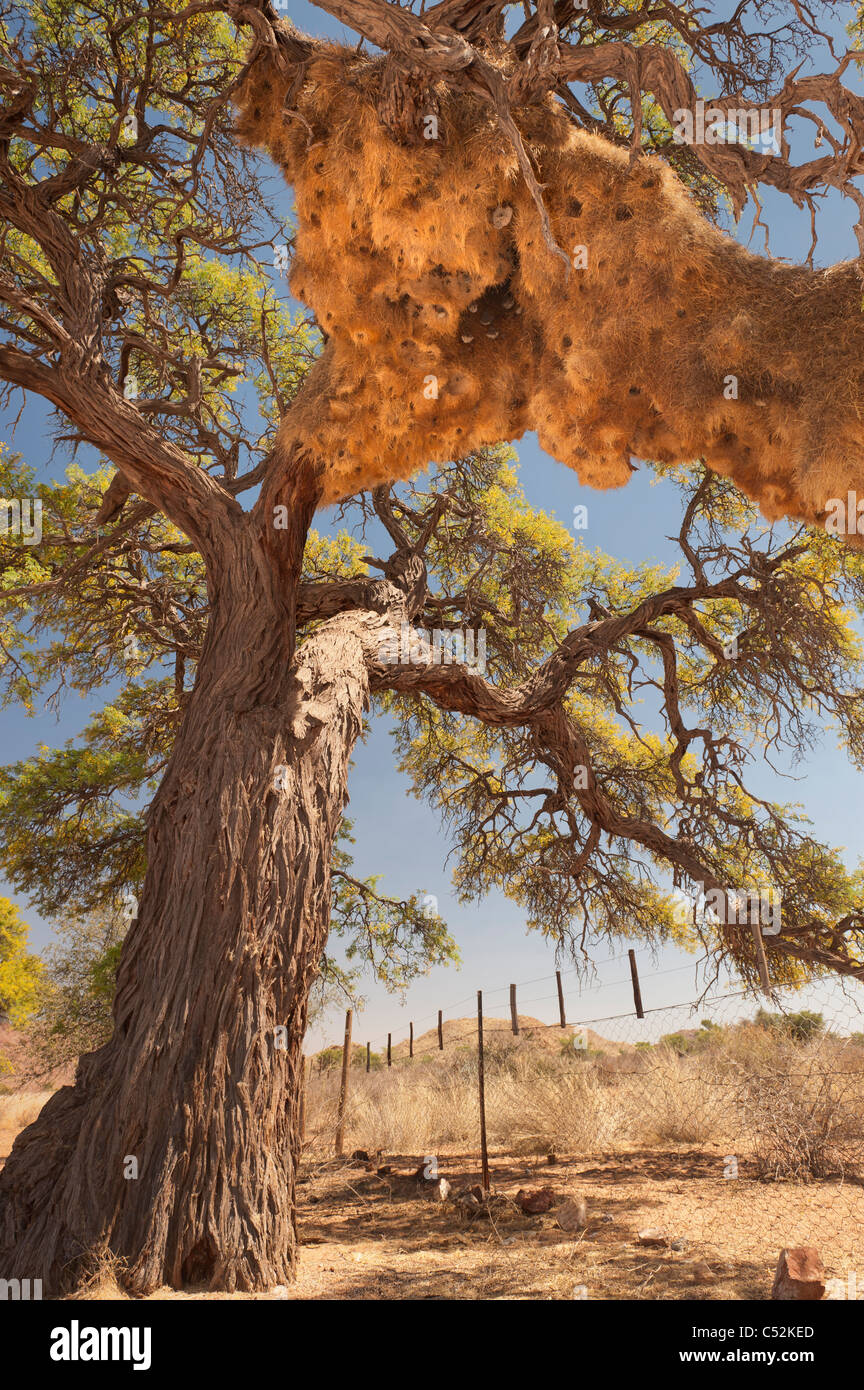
(804, 1118)
(101, 1278)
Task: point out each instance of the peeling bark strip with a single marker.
(237, 900)
(450, 327)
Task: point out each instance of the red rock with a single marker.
(800, 1275)
(533, 1203)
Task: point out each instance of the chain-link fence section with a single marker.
(730, 1128)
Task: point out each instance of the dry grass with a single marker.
(792, 1110)
(737, 1149)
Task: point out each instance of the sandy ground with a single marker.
(364, 1237)
(367, 1237)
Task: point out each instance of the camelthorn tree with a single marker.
(135, 274)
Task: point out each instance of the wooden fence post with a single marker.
(440, 1030)
(637, 993)
(761, 958)
(389, 1049)
(410, 1039)
(484, 1153)
(368, 1056)
(343, 1089)
(561, 1013)
(514, 1017)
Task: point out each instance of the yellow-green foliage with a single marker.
(20, 972)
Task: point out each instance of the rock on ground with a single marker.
(800, 1275)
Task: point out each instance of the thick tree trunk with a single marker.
(199, 1084)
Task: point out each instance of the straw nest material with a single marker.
(450, 325)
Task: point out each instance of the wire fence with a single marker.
(732, 1124)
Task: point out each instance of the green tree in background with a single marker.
(20, 972)
(73, 1012)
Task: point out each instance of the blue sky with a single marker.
(401, 839)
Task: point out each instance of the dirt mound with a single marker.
(498, 1033)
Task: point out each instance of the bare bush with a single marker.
(802, 1113)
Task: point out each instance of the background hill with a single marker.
(533, 1036)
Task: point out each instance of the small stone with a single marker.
(492, 333)
(702, 1273)
(279, 1291)
(573, 1216)
(442, 1190)
(536, 1202)
(654, 1236)
(800, 1275)
(502, 215)
(467, 337)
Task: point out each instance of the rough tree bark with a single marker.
(232, 924)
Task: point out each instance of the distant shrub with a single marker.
(800, 1027)
(331, 1057)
